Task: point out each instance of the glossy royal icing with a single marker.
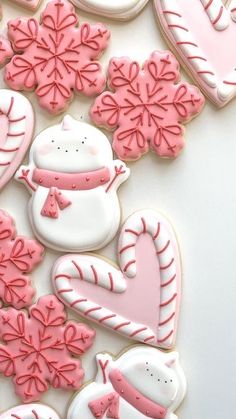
(141, 383)
(29, 4)
(148, 107)
(55, 57)
(73, 180)
(38, 349)
(6, 51)
(212, 68)
(116, 9)
(141, 299)
(30, 411)
(17, 125)
(18, 257)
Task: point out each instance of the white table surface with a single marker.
(197, 192)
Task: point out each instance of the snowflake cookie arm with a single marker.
(119, 174)
(24, 175)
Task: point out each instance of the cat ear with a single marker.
(67, 123)
(173, 357)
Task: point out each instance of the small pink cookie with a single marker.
(141, 300)
(30, 411)
(38, 348)
(17, 126)
(142, 382)
(6, 51)
(194, 29)
(148, 106)
(56, 57)
(29, 4)
(18, 257)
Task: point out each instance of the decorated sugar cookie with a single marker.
(194, 30)
(30, 411)
(141, 383)
(29, 4)
(17, 125)
(73, 180)
(18, 257)
(55, 57)
(141, 298)
(6, 51)
(115, 9)
(148, 107)
(38, 348)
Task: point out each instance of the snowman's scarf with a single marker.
(109, 404)
(57, 181)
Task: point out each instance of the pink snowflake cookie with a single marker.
(148, 106)
(38, 348)
(18, 257)
(6, 51)
(56, 57)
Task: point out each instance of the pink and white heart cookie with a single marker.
(29, 4)
(142, 382)
(141, 299)
(115, 9)
(30, 411)
(148, 106)
(194, 29)
(17, 126)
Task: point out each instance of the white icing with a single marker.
(136, 365)
(117, 9)
(84, 267)
(31, 411)
(93, 218)
(16, 131)
(216, 9)
(162, 234)
(224, 92)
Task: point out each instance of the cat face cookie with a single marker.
(115, 9)
(73, 180)
(142, 382)
(194, 29)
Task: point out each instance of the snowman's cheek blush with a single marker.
(93, 150)
(45, 149)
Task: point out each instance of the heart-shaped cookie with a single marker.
(17, 125)
(114, 9)
(30, 411)
(202, 33)
(140, 301)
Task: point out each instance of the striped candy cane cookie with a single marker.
(120, 303)
(17, 124)
(194, 38)
(31, 411)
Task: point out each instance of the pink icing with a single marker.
(38, 348)
(18, 257)
(56, 57)
(148, 106)
(6, 51)
(110, 402)
(17, 124)
(222, 59)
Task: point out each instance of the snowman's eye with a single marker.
(82, 142)
(58, 148)
(77, 151)
(53, 141)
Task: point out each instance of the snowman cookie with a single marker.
(30, 411)
(142, 383)
(115, 9)
(73, 180)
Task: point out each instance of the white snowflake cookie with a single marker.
(142, 383)
(73, 180)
